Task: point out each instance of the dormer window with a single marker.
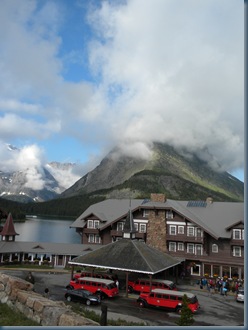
(120, 226)
(237, 234)
(94, 224)
(169, 215)
(145, 213)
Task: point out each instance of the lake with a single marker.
(46, 230)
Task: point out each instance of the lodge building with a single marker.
(209, 235)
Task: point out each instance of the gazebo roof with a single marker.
(128, 255)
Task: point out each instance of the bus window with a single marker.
(166, 296)
(159, 295)
(173, 297)
(142, 282)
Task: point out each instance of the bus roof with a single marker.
(95, 279)
(156, 280)
(174, 293)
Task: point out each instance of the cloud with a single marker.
(178, 72)
(160, 70)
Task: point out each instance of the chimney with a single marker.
(158, 198)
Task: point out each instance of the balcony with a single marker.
(116, 233)
(237, 242)
(184, 238)
(91, 231)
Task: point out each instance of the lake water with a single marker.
(46, 230)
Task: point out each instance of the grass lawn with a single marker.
(8, 317)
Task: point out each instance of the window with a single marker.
(190, 248)
(145, 213)
(180, 229)
(90, 224)
(96, 224)
(198, 249)
(143, 228)
(214, 248)
(136, 226)
(172, 246)
(236, 233)
(237, 251)
(169, 215)
(173, 230)
(198, 232)
(94, 238)
(120, 226)
(91, 238)
(190, 231)
(180, 246)
(93, 224)
(97, 239)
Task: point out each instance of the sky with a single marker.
(79, 77)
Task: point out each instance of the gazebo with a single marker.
(127, 255)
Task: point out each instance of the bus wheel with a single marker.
(142, 304)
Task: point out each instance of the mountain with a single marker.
(35, 184)
(178, 175)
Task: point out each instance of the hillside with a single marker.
(177, 176)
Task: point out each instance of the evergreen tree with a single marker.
(186, 317)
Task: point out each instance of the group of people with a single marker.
(221, 285)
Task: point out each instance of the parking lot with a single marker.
(216, 310)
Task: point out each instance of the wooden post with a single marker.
(103, 320)
(127, 284)
(150, 277)
(72, 271)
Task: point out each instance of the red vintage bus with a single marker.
(143, 285)
(96, 275)
(104, 288)
(168, 299)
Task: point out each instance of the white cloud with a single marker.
(178, 73)
(167, 71)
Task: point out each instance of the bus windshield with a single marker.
(111, 286)
(192, 300)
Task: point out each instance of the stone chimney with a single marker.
(158, 198)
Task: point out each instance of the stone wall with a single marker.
(19, 295)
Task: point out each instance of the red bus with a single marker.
(104, 288)
(143, 285)
(168, 299)
(96, 275)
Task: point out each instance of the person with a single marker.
(117, 283)
(29, 278)
(46, 293)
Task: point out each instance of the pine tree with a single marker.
(186, 317)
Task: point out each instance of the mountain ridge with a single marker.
(171, 169)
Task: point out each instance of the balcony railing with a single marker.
(118, 233)
(91, 230)
(184, 238)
